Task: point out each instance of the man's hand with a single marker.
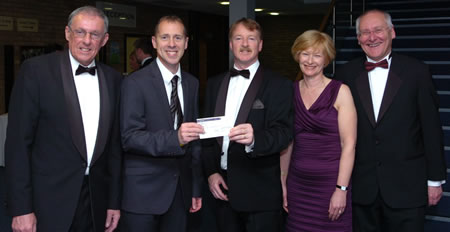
(196, 204)
(189, 131)
(215, 181)
(112, 219)
(24, 223)
(242, 133)
(434, 195)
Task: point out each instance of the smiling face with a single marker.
(312, 61)
(375, 36)
(245, 45)
(86, 35)
(170, 43)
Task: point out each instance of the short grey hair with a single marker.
(90, 10)
(387, 19)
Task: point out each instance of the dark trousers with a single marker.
(379, 217)
(174, 220)
(82, 220)
(230, 220)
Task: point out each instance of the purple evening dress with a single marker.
(314, 165)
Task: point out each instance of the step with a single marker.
(398, 14)
(444, 114)
(441, 209)
(403, 30)
(446, 131)
(401, 21)
(437, 224)
(447, 161)
(419, 41)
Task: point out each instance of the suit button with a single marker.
(378, 163)
(84, 165)
(377, 142)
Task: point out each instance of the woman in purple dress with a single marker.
(316, 168)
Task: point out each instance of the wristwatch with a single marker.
(343, 188)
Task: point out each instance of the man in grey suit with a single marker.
(162, 167)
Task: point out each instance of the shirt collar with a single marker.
(252, 68)
(74, 63)
(147, 58)
(166, 74)
(388, 58)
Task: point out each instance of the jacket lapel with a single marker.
(72, 105)
(186, 89)
(104, 118)
(221, 101)
(249, 97)
(392, 85)
(158, 83)
(362, 85)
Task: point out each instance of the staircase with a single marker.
(422, 31)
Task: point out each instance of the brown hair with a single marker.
(172, 19)
(250, 24)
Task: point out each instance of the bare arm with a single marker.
(285, 159)
(347, 120)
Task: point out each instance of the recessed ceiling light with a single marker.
(274, 13)
(107, 8)
(258, 9)
(224, 3)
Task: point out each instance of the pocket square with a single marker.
(257, 105)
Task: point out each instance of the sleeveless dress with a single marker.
(314, 165)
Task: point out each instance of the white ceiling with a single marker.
(285, 7)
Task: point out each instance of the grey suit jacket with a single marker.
(154, 161)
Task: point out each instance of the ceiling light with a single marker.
(274, 13)
(224, 3)
(107, 8)
(258, 9)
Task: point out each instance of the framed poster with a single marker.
(129, 47)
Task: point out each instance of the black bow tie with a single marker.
(371, 66)
(245, 73)
(82, 69)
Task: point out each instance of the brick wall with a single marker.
(52, 17)
(279, 34)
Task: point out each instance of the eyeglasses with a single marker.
(80, 33)
(377, 31)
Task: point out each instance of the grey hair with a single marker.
(90, 10)
(387, 19)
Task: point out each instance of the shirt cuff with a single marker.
(249, 148)
(432, 183)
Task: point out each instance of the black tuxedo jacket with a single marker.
(45, 146)
(253, 178)
(154, 161)
(147, 62)
(402, 150)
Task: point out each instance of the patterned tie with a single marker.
(82, 69)
(175, 107)
(244, 72)
(371, 66)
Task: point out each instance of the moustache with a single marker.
(245, 49)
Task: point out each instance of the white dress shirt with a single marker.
(88, 93)
(167, 78)
(377, 81)
(237, 88)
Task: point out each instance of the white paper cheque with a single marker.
(215, 127)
